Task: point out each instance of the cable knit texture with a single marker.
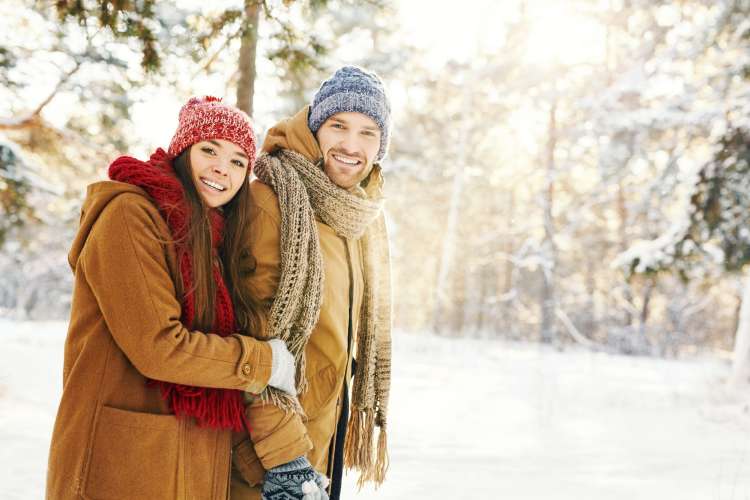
(204, 118)
(304, 192)
(220, 408)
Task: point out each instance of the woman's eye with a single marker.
(208, 150)
(337, 125)
(238, 163)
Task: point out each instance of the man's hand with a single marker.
(317, 490)
(296, 479)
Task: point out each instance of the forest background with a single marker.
(565, 172)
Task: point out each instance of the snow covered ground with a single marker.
(478, 419)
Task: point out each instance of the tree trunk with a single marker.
(446, 257)
(741, 356)
(505, 310)
(645, 310)
(246, 84)
(547, 332)
(488, 311)
(622, 212)
(509, 242)
(591, 321)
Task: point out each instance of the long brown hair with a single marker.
(233, 252)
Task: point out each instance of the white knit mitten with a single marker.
(283, 369)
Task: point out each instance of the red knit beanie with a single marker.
(204, 118)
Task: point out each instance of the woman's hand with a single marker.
(283, 369)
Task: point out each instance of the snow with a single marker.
(30, 387)
(478, 419)
(652, 255)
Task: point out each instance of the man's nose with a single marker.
(349, 145)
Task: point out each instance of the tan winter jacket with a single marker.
(113, 438)
(278, 437)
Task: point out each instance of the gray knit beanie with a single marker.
(353, 89)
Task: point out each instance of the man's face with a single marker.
(350, 143)
(219, 169)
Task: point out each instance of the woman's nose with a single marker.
(220, 168)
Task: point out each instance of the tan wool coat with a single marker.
(113, 437)
(276, 437)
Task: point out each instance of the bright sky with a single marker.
(446, 31)
(558, 32)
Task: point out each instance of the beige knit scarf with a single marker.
(304, 192)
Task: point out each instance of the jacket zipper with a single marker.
(349, 333)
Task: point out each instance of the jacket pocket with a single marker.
(321, 391)
(134, 456)
(247, 463)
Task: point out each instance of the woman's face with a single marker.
(219, 168)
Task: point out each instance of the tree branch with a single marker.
(218, 51)
(34, 115)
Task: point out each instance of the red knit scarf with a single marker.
(218, 408)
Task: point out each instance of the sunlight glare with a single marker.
(561, 37)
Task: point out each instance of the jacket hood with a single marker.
(293, 134)
(98, 196)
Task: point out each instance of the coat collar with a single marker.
(294, 134)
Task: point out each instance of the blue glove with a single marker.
(294, 480)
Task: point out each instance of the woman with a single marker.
(157, 356)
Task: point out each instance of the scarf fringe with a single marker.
(297, 345)
(383, 461)
(358, 449)
(282, 400)
(215, 408)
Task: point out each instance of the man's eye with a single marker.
(337, 125)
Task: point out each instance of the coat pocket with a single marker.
(322, 389)
(134, 456)
(247, 463)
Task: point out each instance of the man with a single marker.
(320, 260)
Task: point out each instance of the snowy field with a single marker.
(476, 419)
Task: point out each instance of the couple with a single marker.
(231, 339)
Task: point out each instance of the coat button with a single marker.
(246, 369)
